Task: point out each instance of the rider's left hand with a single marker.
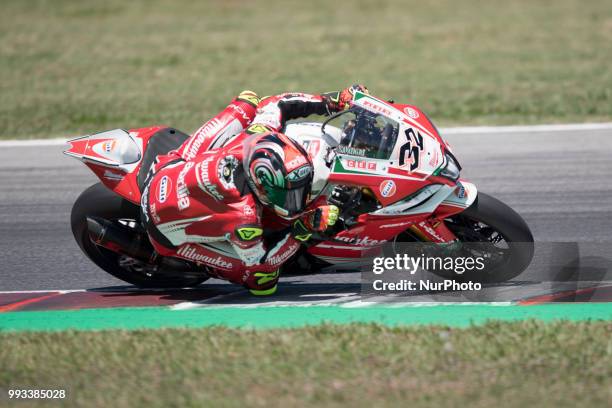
(338, 101)
(346, 95)
(322, 218)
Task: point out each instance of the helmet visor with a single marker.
(291, 200)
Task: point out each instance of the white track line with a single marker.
(9, 292)
(33, 142)
(568, 127)
(109, 289)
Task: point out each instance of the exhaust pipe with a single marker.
(124, 241)
(108, 235)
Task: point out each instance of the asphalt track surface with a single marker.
(559, 181)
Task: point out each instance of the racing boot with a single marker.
(263, 283)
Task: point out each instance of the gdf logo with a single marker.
(163, 188)
(387, 188)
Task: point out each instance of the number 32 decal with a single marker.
(411, 150)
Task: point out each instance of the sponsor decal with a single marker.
(365, 241)
(238, 109)
(460, 191)
(182, 192)
(163, 187)
(312, 147)
(360, 164)
(412, 113)
(353, 151)
(191, 252)
(109, 145)
(387, 188)
(144, 202)
(280, 258)
(298, 161)
(203, 179)
(248, 211)
(397, 224)
(153, 211)
(248, 233)
(300, 173)
(225, 171)
(377, 107)
(432, 232)
(210, 128)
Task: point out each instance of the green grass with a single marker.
(70, 67)
(510, 364)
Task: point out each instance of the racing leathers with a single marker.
(197, 206)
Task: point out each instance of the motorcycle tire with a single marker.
(512, 228)
(99, 201)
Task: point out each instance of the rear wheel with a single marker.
(98, 201)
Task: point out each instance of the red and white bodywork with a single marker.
(410, 191)
(414, 197)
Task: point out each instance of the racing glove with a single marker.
(319, 220)
(339, 101)
(322, 218)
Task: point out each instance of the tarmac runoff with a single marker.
(140, 309)
(39, 176)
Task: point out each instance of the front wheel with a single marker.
(98, 201)
(491, 228)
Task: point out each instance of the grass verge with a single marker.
(72, 67)
(513, 363)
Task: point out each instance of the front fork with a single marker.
(433, 230)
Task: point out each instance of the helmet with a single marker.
(279, 172)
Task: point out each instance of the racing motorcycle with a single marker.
(384, 164)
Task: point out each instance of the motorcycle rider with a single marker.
(229, 179)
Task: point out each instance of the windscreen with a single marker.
(366, 133)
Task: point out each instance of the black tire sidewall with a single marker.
(99, 201)
(512, 227)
